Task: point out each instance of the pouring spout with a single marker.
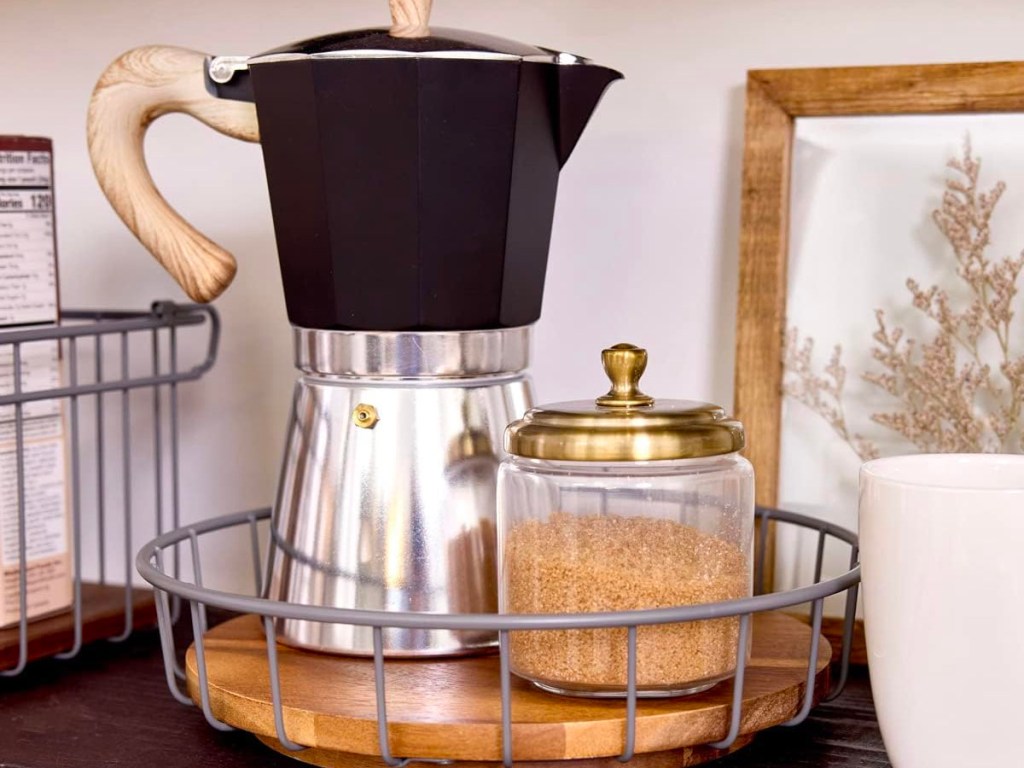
(580, 87)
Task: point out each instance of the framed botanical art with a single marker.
(881, 248)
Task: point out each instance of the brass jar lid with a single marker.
(624, 424)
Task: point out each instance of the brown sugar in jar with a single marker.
(571, 564)
(624, 503)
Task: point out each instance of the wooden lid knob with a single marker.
(410, 18)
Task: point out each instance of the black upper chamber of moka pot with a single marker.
(413, 179)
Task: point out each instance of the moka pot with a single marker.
(412, 176)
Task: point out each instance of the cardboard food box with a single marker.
(28, 297)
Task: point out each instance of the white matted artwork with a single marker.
(863, 221)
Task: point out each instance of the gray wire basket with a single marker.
(144, 348)
(151, 563)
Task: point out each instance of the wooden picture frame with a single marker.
(774, 101)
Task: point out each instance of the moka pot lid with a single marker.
(383, 43)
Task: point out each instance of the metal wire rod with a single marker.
(506, 699)
(275, 687)
(19, 459)
(630, 745)
(383, 736)
(126, 479)
(76, 509)
(167, 647)
(736, 708)
(204, 681)
(812, 666)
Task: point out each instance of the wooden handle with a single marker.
(410, 18)
(140, 86)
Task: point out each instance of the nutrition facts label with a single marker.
(28, 296)
(28, 254)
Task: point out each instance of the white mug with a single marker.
(942, 555)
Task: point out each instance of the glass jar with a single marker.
(620, 504)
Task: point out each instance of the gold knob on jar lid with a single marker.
(624, 364)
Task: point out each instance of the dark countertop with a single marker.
(111, 707)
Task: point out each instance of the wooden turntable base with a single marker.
(673, 758)
(451, 708)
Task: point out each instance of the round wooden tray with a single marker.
(673, 758)
(451, 708)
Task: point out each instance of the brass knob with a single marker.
(624, 364)
(365, 416)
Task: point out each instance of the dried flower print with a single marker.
(962, 390)
(823, 394)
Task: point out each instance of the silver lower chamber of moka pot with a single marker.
(387, 493)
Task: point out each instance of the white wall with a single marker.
(645, 240)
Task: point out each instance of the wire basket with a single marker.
(188, 542)
(109, 360)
